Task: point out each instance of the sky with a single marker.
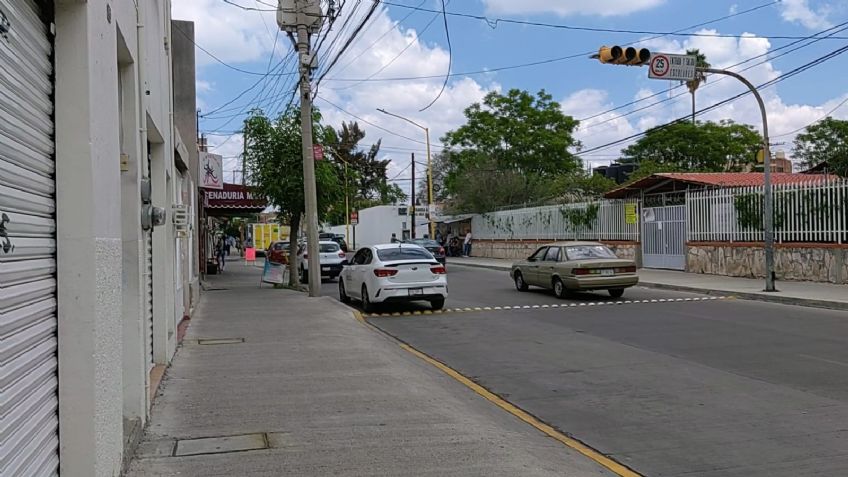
(399, 59)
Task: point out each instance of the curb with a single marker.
(770, 298)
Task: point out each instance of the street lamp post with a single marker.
(429, 171)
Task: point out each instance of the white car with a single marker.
(393, 273)
(331, 258)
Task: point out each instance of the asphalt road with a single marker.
(669, 388)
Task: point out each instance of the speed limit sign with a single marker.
(672, 67)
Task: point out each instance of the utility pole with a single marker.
(432, 224)
(412, 202)
(310, 194)
(768, 202)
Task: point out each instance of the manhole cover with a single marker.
(220, 445)
(220, 341)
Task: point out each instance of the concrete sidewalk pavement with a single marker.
(297, 386)
(820, 295)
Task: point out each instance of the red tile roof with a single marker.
(718, 179)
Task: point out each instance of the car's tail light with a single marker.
(342, 255)
(440, 270)
(582, 271)
(625, 270)
(385, 272)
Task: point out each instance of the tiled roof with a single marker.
(738, 179)
(716, 179)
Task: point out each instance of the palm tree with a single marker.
(700, 76)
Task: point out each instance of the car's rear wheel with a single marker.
(367, 306)
(343, 293)
(437, 304)
(520, 284)
(559, 288)
(616, 292)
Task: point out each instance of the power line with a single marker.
(349, 41)
(837, 29)
(450, 60)
(767, 84)
(582, 55)
(494, 21)
(369, 122)
(671, 98)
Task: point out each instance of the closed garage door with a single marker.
(28, 375)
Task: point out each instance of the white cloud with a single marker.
(800, 11)
(570, 7)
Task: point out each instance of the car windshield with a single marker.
(588, 252)
(405, 253)
(328, 247)
(281, 246)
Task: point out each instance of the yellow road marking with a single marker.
(578, 446)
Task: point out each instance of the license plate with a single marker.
(326, 269)
(416, 291)
(607, 272)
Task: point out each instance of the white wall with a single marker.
(102, 355)
(377, 224)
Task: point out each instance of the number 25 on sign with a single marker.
(672, 67)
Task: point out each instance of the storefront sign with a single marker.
(234, 196)
(272, 273)
(211, 171)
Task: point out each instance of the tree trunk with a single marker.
(693, 106)
(294, 223)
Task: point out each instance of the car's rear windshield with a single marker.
(405, 253)
(425, 242)
(281, 246)
(328, 247)
(588, 252)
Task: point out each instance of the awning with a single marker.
(454, 218)
(233, 199)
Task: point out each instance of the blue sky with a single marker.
(245, 39)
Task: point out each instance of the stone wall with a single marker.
(521, 249)
(802, 262)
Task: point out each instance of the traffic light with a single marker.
(617, 55)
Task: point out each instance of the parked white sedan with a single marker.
(393, 273)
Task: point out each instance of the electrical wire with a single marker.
(347, 43)
(767, 84)
(369, 122)
(494, 21)
(450, 60)
(581, 55)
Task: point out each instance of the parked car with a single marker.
(331, 258)
(278, 252)
(575, 266)
(393, 273)
(432, 246)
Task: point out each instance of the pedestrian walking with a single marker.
(439, 238)
(466, 249)
(221, 253)
(226, 244)
(394, 238)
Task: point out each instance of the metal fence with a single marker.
(814, 211)
(594, 220)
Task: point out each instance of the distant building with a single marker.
(620, 173)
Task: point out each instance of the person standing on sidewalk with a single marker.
(466, 247)
(221, 253)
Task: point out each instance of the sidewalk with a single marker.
(820, 295)
(300, 387)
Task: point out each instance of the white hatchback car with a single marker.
(393, 273)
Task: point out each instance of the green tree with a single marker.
(366, 174)
(510, 150)
(274, 160)
(826, 140)
(700, 77)
(699, 147)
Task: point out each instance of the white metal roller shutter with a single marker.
(28, 375)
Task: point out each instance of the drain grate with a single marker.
(220, 341)
(221, 445)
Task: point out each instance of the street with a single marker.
(679, 385)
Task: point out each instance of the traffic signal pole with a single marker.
(768, 199)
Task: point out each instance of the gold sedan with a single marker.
(575, 266)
